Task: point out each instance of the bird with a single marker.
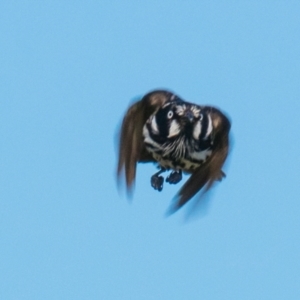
(178, 137)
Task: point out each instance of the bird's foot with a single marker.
(157, 182)
(221, 176)
(174, 177)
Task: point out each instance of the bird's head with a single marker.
(175, 119)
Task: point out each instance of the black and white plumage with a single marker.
(179, 137)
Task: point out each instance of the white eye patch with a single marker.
(174, 129)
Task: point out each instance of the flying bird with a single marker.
(178, 136)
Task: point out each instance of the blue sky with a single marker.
(69, 70)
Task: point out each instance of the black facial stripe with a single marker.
(158, 138)
(162, 121)
(204, 124)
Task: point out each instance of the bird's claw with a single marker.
(174, 177)
(157, 182)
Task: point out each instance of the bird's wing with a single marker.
(131, 147)
(211, 170)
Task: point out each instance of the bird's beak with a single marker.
(189, 116)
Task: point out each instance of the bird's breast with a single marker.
(187, 164)
(179, 154)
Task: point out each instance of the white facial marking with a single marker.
(145, 132)
(148, 139)
(196, 111)
(210, 127)
(180, 110)
(154, 125)
(167, 104)
(174, 129)
(197, 130)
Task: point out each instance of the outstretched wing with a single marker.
(131, 144)
(211, 170)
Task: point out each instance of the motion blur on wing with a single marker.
(177, 136)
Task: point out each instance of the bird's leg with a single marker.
(158, 181)
(174, 177)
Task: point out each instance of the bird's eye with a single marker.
(200, 117)
(170, 114)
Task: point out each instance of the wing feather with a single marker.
(131, 146)
(207, 174)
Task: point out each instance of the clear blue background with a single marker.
(68, 72)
